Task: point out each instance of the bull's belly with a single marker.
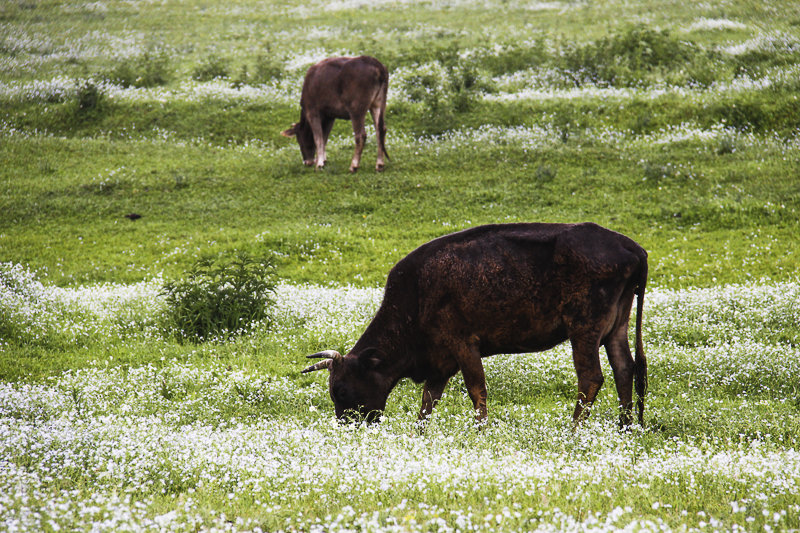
(523, 342)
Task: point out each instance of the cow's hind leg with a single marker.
(380, 133)
(586, 357)
(360, 133)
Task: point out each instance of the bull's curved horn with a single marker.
(318, 366)
(327, 354)
(331, 357)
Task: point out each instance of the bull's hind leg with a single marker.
(360, 133)
(619, 356)
(586, 357)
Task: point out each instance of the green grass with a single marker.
(675, 124)
(65, 200)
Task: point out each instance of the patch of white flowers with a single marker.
(286, 89)
(77, 315)
(705, 24)
(346, 5)
(190, 443)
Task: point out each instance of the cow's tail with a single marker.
(640, 361)
(381, 120)
(382, 136)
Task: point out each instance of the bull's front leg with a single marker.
(431, 394)
(469, 361)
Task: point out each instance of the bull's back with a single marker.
(512, 285)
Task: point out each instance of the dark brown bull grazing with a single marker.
(341, 87)
(507, 288)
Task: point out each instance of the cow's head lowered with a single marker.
(358, 390)
(305, 138)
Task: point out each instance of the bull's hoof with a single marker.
(353, 170)
(308, 163)
(379, 168)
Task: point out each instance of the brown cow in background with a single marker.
(505, 288)
(341, 87)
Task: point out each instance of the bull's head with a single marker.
(305, 138)
(358, 391)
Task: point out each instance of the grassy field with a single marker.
(674, 124)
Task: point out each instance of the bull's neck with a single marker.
(388, 335)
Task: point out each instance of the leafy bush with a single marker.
(210, 68)
(88, 96)
(266, 67)
(221, 298)
(444, 91)
(147, 70)
(625, 58)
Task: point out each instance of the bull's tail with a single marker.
(640, 361)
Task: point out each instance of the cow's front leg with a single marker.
(360, 133)
(431, 394)
(319, 142)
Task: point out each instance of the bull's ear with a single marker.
(291, 132)
(369, 359)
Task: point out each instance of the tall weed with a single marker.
(220, 298)
(150, 69)
(627, 58)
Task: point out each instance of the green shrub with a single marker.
(212, 67)
(88, 96)
(545, 173)
(220, 298)
(726, 145)
(624, 59)
(266, 67)
(147, 70)
(445, 92)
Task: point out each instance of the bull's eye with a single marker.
(341, 395)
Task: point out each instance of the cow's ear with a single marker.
(291, 132)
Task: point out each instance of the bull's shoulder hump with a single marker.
(482, 240)
(591, 244)
(519, 232)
